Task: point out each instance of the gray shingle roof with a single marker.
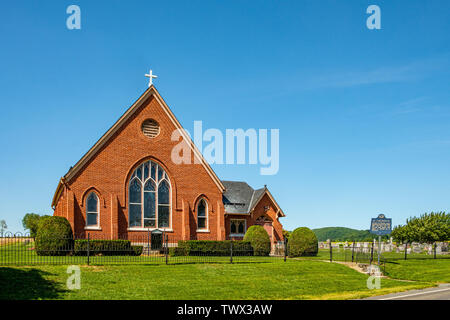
(239, 197)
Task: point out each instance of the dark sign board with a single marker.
(381, 225)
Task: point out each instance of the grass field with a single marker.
(346, 255)
(420, 270)
(132, 277)
(294, 279)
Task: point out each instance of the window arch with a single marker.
(149, 197)
(92, 210)
(202, 215)
(238, 227)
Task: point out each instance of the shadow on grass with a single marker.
(20, 284)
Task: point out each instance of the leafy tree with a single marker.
(303, 242)
(54, 236)
(3, 226)
(286, 234)
(427, 228)
(259, 239)
(30, 222)
(399, 234)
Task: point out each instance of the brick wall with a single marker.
(108, 173)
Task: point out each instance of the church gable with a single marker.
(141, 138)
(128, 182)
(149, 107)
(150, 96)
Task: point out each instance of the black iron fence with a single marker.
(145, 248)
(369, 254)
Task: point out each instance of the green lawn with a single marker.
(293, 279)
(346, 255)
(420, 270)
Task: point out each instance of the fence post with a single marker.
(285, 249)
(331, 252)
(353, 250)
(88, 249)
(166, 247)
(231, 251)
(148, 241)
(371, 253)
(406, 249)
(435, 250)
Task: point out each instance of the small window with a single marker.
(237, 227)
(202, 215)
(92, 210)
(150, 128)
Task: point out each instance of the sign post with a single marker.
(380, 226)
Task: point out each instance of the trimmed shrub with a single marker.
(259, 239)
(177, 252)
(106, 248)
(137, 250)
(302, 242)
(212, 248)
(54, 236)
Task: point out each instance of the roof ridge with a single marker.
(251, 201)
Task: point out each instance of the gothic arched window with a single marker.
(149, 197)
(92, 210)
(202, 215)
(238, 227)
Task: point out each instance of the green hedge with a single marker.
(54, 236)
(259, 239)
(177, 251)
(211, 248)
(302, 242)
(106, 248)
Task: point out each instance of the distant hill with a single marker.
(343, 234)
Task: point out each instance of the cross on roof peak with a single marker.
(150, 75)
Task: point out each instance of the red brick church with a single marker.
(127, 184)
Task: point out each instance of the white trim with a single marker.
(206, 228)
(92, 228)
(140, 229)
(238, 234)
(203, 231)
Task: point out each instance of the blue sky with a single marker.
(363, 114)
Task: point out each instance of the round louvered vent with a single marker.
(150, 128)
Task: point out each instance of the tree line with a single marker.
(427, 228)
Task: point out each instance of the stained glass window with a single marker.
(232, 227)
(241, 227)
(202, 214)
(92, 209)
(149, 197)
(163, 192)
(237, 226)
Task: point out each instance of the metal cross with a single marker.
(150, 76)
